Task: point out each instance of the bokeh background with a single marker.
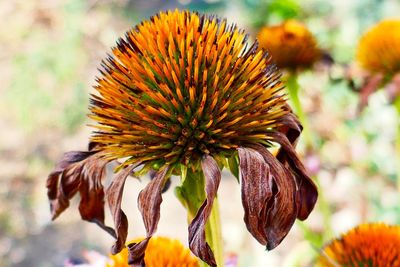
(49, 54)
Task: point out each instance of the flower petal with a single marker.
(257, 185)
(114, 197)
(279, 211)
(59, 188)
(149, 202)
(307, 188)
(81, 172)
(197, 235)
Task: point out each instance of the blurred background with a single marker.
(49, 54)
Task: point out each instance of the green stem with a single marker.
(192, 194)
(397, 141)
(214, 235)
(293, 89)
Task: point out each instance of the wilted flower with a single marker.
(184, 93)
(378, 53)
(161, 251)
(375, 245)
(291, 45)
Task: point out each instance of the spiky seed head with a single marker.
(375, 244)
(183, 85)
(291, 44)
(379, 48)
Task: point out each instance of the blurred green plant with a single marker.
(271, 11)
(47, 77)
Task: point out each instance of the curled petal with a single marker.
(279, 211)
(257, 191)
(61, 188)
(114, 198)
(307, 188)
(291, 127)
(197, 235)
(81, 172)
(149, 202)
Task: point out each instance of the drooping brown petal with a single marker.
(257, 185)
(149, 202)
(291, 127)
(307, 189)
(280, 211)
(287, 137)
(59, 194)
(197, 235)
(114, 197)
(81, 172)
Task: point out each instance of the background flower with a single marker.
(366, 245)
(379, 48)
(291, 45)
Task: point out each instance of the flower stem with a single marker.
(192, 194)
(293, 89)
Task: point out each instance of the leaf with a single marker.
(279, 211)
(81, 172)
(149, 202)
(197, 235)
(114, 197)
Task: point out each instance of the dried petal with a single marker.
(149, 202)
(257, 190)
(291, 127)
(83, 172)
(197, 235)
(280, 212)
(307, 189)
(114, 198)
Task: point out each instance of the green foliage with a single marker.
(271, 11)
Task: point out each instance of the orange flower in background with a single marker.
(160, 251)
(291, 45)
(379, 48)
(378, 53)
(376, 245)
(184, 94)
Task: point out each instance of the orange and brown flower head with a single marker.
(376, 245)
(161, 251)
(184, 93)
(291, 44)
(379, 48)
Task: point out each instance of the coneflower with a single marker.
(376, 245)
(378, 53)
(186, 95)
(379, 48)
(161, 251)
(291, 45)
